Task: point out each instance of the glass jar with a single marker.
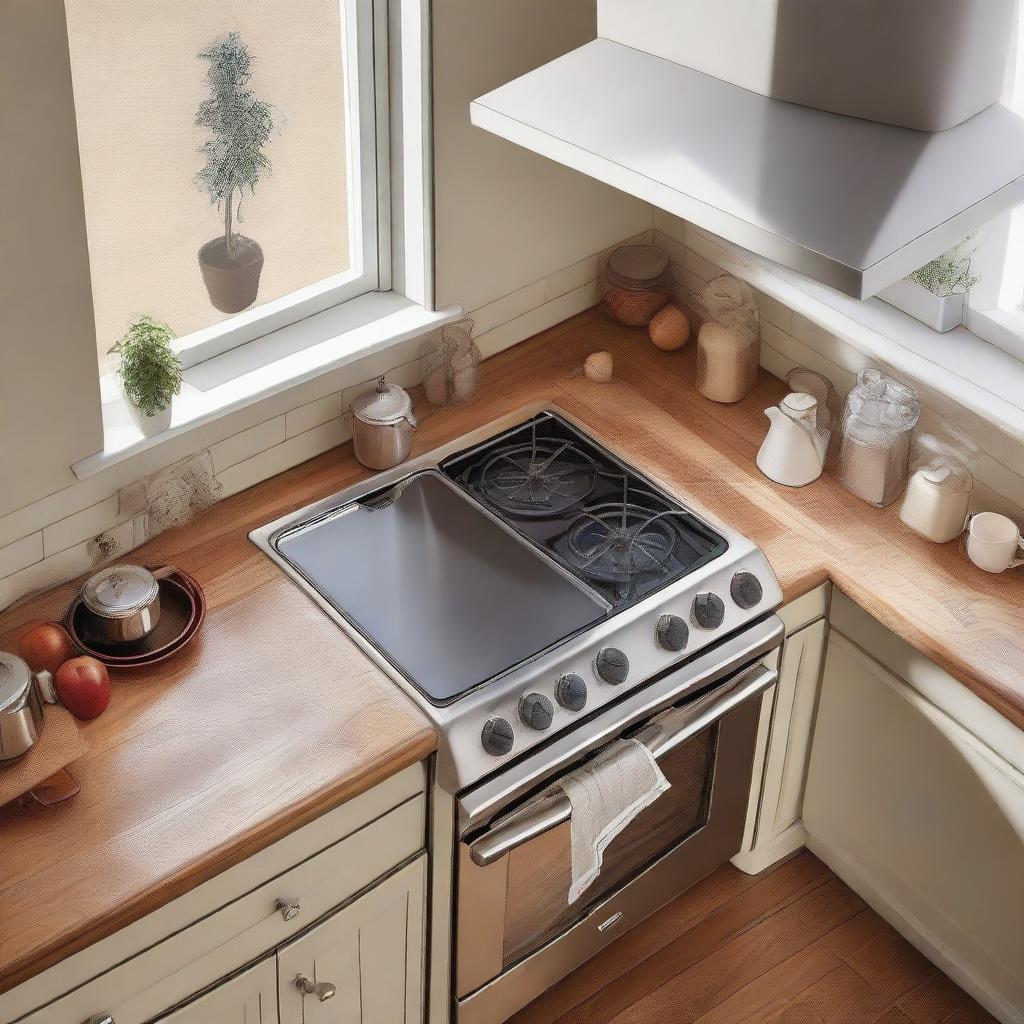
(878, 420)
(637, 283)
(729, 339)
(939, 492)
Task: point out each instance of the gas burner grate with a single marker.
(620, 542)
(541, 478)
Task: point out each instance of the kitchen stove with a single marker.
(520, 580)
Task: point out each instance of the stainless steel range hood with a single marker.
(852, 203)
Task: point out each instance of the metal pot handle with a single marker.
(661, 735)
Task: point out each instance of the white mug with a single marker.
(994, 542)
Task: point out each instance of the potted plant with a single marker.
(937, 293)
(240, 126)
(150, 373)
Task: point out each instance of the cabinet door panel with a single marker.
(248, 998)
(371, 952)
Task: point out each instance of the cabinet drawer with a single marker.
(197, 956)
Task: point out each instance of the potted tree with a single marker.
(150, 373)
(240, 126)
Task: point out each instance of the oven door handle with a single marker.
(661, 735)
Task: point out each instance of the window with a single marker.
(230, 157)
(997, 302)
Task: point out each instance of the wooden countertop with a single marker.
(275, 716)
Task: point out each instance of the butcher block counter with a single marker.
(274, 716)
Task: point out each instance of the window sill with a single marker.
(976, 375)
(348, 334)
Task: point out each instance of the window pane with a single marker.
(273, 120)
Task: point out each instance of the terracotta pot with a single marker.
(231, 283)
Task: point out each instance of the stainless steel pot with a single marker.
(22, 695)
(383, 426)
(123, 602)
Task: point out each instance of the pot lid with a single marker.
(387, 404)
(15, 678)
(119, 591)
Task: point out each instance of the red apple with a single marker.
(83, 687)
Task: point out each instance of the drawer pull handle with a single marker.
(289, 910)
(323, 990)
(101, 1018)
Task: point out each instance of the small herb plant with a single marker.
(240, 126)
(951, 273)
(150, 371)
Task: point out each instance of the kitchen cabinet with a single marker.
(915, 797)
(205, 957)
(774, 827)
(247, 998)
(364, 964)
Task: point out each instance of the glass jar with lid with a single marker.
(939, 492)
(878, 420)
(637, 282)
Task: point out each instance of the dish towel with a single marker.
(606, 794)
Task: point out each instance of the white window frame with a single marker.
(995, 309)
(365, 69)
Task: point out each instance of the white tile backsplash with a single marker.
(247, 443)
(81, 526)
(21, 553)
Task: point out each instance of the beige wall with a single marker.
(137, 84)
(506, 217)
(49, 391)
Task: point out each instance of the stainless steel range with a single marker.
(539, 598)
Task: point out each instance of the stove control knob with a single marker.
(746, 590)
(708, 611)
(497, 736)
(612, 665)
(672, 632)
(536, 711)
(571, 692)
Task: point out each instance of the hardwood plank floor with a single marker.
(792, 946)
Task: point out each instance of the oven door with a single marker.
(517, 934)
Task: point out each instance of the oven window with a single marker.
(537, 907)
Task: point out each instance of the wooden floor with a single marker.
(792, 946)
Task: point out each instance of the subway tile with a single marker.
(574, 277)
(63, 566)
(298, 421)
(81, 526)
(551, 313)
(249, 442)
(698, 265)
(508, 307)
(140, 528)
(676, 249)
(20, 554)
(774, 312)
(285, 455)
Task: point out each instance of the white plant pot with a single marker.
(151, 425)
(940, 313)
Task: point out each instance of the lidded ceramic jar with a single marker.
(939, 492)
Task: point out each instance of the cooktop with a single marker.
(460, 572)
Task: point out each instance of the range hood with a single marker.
(852, 203)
